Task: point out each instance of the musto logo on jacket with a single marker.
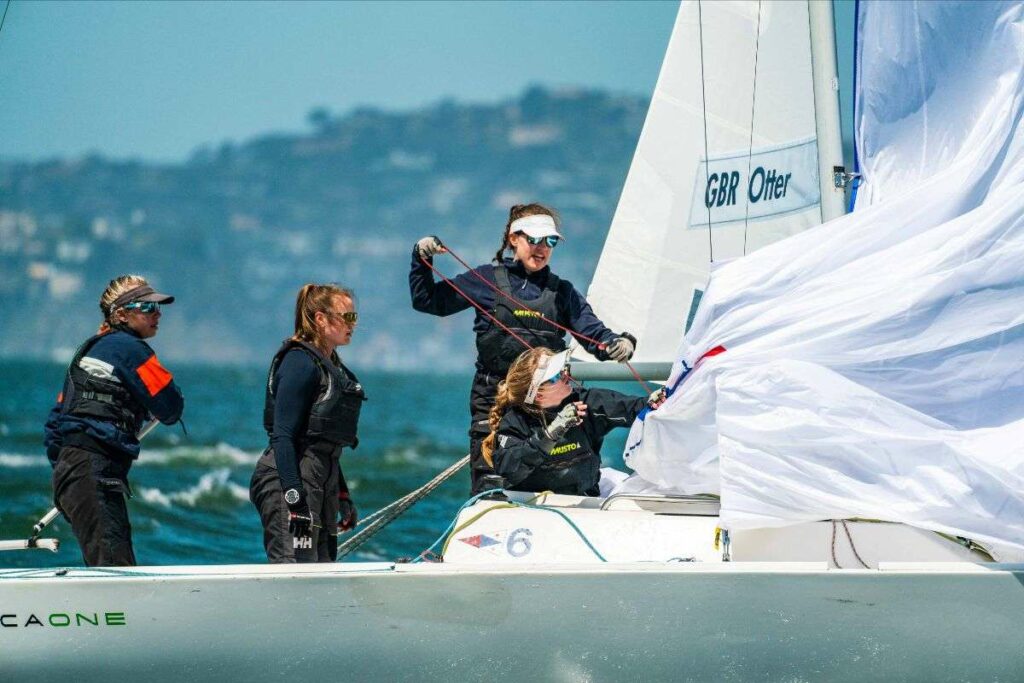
(565, 448)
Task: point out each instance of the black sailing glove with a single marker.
(622, 348)
(300, 519)
(348, 516)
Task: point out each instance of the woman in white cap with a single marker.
(521, 271)
(546, 435)
(114, 384)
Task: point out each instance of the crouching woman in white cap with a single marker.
(521, 272)
(311, 412)
(546, 435)
(114, 384)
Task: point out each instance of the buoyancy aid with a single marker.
(334, 417)
(573, 465)
(100, 398)
(496, 348)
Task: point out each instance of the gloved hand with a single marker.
(657, 397)
(568, 417)
(622, 348)
(300, 519)
(348, 516)
(429, 246)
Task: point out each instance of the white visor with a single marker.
(540, 225)
(549, 369)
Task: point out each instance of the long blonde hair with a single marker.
(522, 211)
(313, 299)
(115, 288)
(512, 392)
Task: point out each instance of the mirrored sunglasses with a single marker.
(558, 378)
(143, 306)
(550, 240)
(350, 317)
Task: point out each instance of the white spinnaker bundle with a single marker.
(875, 364)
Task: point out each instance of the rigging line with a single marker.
(2, 20)
(750, 147)
(475, 304)
(577, 335)
(600, 345)
(704, 109)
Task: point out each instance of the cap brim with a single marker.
(556, 364)
(157, 297)
(541, 231)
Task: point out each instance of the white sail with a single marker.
(874, 365)
(727, 162)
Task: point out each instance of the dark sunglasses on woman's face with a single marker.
(350, 317)
(143, 306)
(550, 240)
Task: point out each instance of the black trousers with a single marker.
(320, 480)
(90, 489)
(481, 400)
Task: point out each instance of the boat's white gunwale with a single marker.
(278, 572)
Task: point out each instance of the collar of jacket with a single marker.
(516, 268)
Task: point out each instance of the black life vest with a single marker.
(334, 417)
(496, 348)
(573, 466)
(106, 400)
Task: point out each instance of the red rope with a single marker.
(600, 345)
(495, 288)
(478, 306)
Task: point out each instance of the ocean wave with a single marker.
(222, 454)
(213, 487)
(16, 460)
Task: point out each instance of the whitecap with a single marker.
(13, 460)
(211, 483)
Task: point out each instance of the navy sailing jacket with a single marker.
(441, 299)
(530, 461)
(120, 356)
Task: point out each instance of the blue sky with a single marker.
(156, 79)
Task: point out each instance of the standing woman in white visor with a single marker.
(520, 270)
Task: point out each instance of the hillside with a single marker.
(236, 229)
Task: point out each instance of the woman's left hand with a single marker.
(348, 516)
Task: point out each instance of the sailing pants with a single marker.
(320, 480)
(90, 489)
(481, 400)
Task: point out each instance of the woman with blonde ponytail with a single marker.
(546, 435)
(520, 272)
(311, 412)
(114, 384)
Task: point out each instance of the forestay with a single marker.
(727, 162)
(874, 365)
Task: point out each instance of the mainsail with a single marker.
(727, 162)
(874, 365)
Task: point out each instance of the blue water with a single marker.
(191, 503)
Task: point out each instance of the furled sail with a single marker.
(727, 162)
(874, 365)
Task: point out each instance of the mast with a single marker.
(824, 76)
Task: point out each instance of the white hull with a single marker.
(639, 621)
(538, 604)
